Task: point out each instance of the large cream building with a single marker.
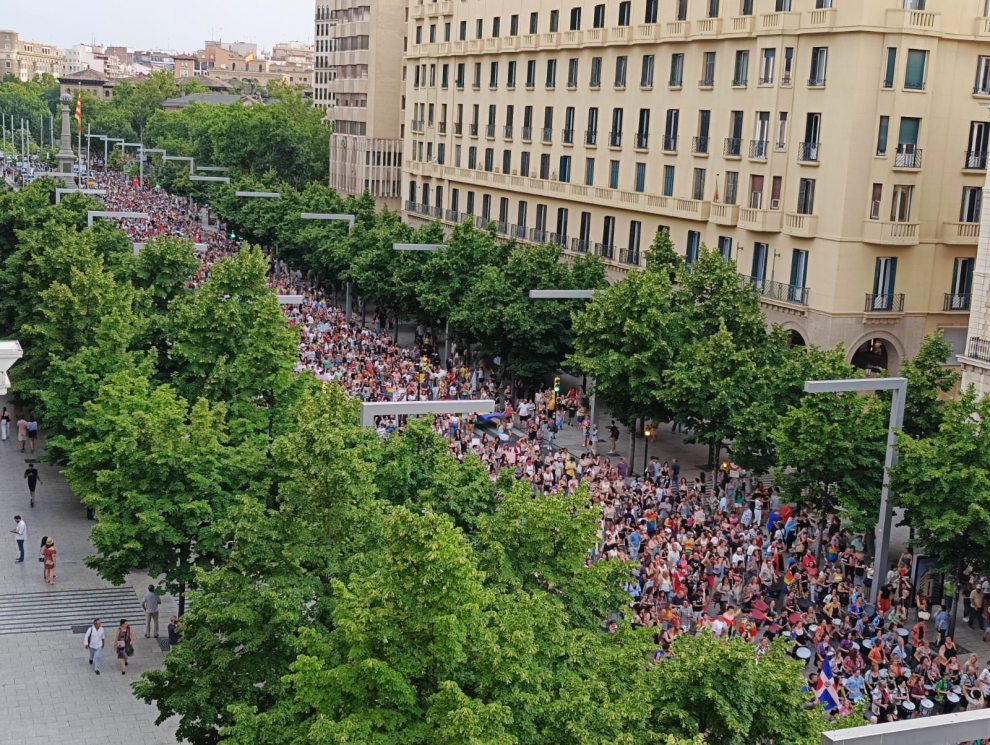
(357, 81)
(836, 149)
(24, 59)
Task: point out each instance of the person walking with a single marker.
(5, 425)
(20, 535)
(122, 642)
(22, 432)
(94, 641)
(613, 437)
(33, 479)
(48, 553)
(976, 606)
(32, 432)
(150, 604)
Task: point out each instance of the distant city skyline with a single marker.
(115, 23)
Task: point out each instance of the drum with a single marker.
(883, 673)
(903, 632)
(868, 643)
(909, 709)
(803, 654)
(869, 611)
(927, 707)
(855, 646)
(836, 621)
(813, 628)
(951, 702)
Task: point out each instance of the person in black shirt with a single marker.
(31, 474)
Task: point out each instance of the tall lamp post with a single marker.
(426, 247)
(349, 219)
(898, 387)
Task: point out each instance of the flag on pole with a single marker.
(825, 690)
(79, 112)
(249, 59)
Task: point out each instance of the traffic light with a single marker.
(556, 386)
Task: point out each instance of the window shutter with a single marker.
(915, 76)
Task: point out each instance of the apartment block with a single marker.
(25, 59)
(835, 149)
(357, 82)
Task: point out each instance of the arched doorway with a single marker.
(874, 355)
(795, 339)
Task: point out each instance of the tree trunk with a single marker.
(821, 544)
(182, 598)
(955, 597)
(632, 447)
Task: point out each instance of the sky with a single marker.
(182, 25)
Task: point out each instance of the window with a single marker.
(589, 171)
(596, 72)
(486, 207)
(460, 74)
(746, 8)
(782, 131)
(608, 235)
(433, 33)
(564, 172)
(514, 25)
(625, 9)
(875, 201)
(976, 155)
(758, 272)
(479, 29)
(983, 76)
(740, 74)
(725, 248)
(534, 23)
(592, 135)
(682, 8)
(496, 27)
(698, 191)
(575, 19)
(668, 181)
(521, 215)
(489, 159)
(569, 125)
(615, 136)
(670, 129)
(641, 177)
(621, 63)
(731, 187)
(783, 6)
(419, 34)
(545, 166)
(554, 21)
(635, 234)
(733, 145)
(547, 123)
(693, 246)
(531, 74)
(713, 8)
(882, 135)
(455, 198)
(708, 70)
(444, 76)
(914, 4)
(472, 157)
(446, 32)
(462, 31)
(676, 70)
(704, 125)
(908, 155)
(510, 78)
(799, 275)
(785, 78)
(900, 208)
(767, 65)
(572, 73)
(884, 281)
(551, 73)
(477, 74)
(646, 79)
(585, 237)
(972, 200)
(819, 59)
(613, 174)
(524, 164)
(962, 283)
(806, 197)
(888, 76)
(470, 203)
(812, 135)
(561, 237)
(651, 11)
(914, 76)
(643, 134)
(493, 77)
(598, 20)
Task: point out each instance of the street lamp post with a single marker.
(898, 388)
(426, 247)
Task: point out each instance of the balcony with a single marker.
(580, 245)
(538, 235)
(629, 256)
(740, 82)
(417, 125)
(978, 349)
(913, 20)
(677, 30)
(527, 134)
(558, 239)
(821, 18)
(473, 130)
(568, 136)
(446, 8)
(960, 233)
(614, 139)
(884, 303)
(670, 143)
(760, 221)
(780, 21)
(442, 127)
(976, 160)
(954, 302)
(708, 27)
(800, 226)
(458, 128)
(733, 147)
(490, 131)
(881, 233)
(706, 83)
(908, 157)
(724, 214)
(606, 251)
(690, 209)
(642, 141)
(809, 152)
(816, 82)
(778, 291)
(591, 137)
(699, 145)
(517, 231)
(507, 131)
(759, 149)
(546, 134)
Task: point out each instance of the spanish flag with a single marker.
(249, 59)
(79, 111)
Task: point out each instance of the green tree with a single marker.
(929, 381)
(941, 481)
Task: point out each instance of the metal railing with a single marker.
(558, 239)
(976, 160)
(706, 83)
(758, 149)
(580, 245)
(547, 134)
(816, 82)
(473, 130)
(605, 251)
(808, 152)
(538, 235)
(410, 206)
(676, 82)
(956, 301)
(670, 143)
(507, 131)
(884, 303)
(614, 139)
(629, 256)
(517, 231)
(591, 137)
(642, 140)
(458, 128)
(568, 136)
(527, 133)
(766, 81)
(733, 147)
(501, 227)
(442, 128)
(699, 145)
(489, 130)
(417, 125)
(978, 349)
(907, 156)
(740, 82)
(778, 290)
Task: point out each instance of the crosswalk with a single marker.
(61, 610)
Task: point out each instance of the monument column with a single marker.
(66, 159)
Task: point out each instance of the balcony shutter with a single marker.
(915, 76)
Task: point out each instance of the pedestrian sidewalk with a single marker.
(49, 694)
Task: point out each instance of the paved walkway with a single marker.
(48, 692)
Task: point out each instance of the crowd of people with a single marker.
(705, 551)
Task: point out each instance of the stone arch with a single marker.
(888, 354)
(796, 335)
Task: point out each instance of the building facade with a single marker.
(93, 81)
(25, 59)
(357, 81)
(835, 149)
